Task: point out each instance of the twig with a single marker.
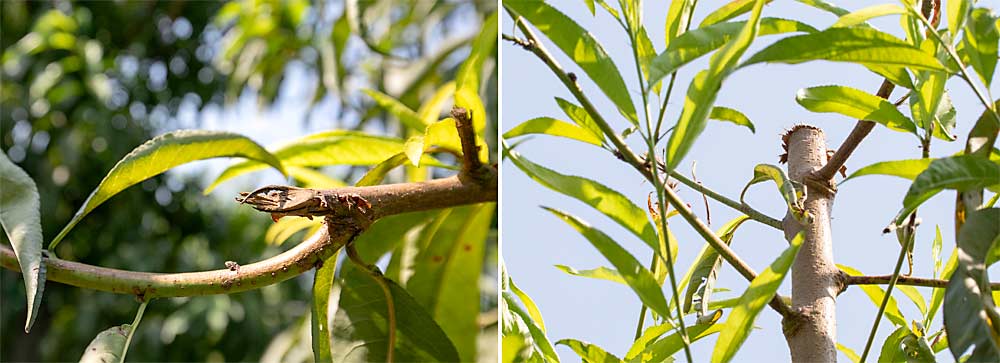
(470, 151)
(861, 129)
(743, 208)
(903, 280)
(626, 154)
(708, 211)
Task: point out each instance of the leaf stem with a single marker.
(131, 329)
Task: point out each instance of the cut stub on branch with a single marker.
(283, 201)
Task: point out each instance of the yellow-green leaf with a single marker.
(551, 126)
(856, 104)
(861, 45)
(163, 153)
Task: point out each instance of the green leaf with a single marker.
(663, 350)
(446, 277)
(378, 172)
(649, 335)
(163, 153)
(635, 274)
(766, 172)
(704, 89)
(861, 45)
(468, 78)
(581, 117)
(980, 41)
(645, 50)
(589, 353)
(580, 46)
(430, 111)
(521, 319)
(551, 126)
(915, 296)
(961, 172)
(863, 15)
(312, 178)
(611, 203)
(892, 349)
(970, 316)
(856, 104)
(731, 10)
(336, 147)
(601, 273)
(731, 115)
(404, 114)
(849, 353)
(536, 315)
(825, 6)
(285, 228)
(107, 346)
(442, 134)
(928, 91)
(678, 18)
(360, 326)
(761, 290)
(21, 220)
(705, 269)
(695, 43)
(957, 12)
(936, 251)
(320, 321)
(937, 297)
(906, 169)
(876, 294)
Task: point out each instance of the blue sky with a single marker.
(606, 313)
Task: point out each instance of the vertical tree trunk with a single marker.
(812, 333)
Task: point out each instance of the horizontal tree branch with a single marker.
(626, 154)
(903, 280)
(384, 200)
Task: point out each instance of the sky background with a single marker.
(606, 313)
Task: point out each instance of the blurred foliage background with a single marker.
(83, 83)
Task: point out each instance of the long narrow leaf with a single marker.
(20, 219)
(970, 316)
(857, 45)
(580, 46)
(553, 127)
(856, 104)
(761, 290)
(957, 172)
(163, 153)
(468, 78)
(635, 274)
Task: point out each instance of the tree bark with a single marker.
(812, 333)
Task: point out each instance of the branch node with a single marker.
(471, 165)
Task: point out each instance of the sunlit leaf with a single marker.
(580, 117)
(849, 353)
(430, 111)
(20, 219)
(854, 103)
(678, 18)
(360, 326)
(704, 89)
(611, 203)
(601, 273)
(533, 311)
(693, 44)
(577, 43)
(285, 228)
(768, 172)
(825, 6)
(163, 153)
(980, 41)
(649, 335)
(396, 108)
(468, 81)
(635, 274)
(589, 353)
(761, 290)
(445, 280)
(336, 147)
(860, 45)
(728, 11)
(892, 349)
(551, 126)
(663, 349)
(516, 314)
(906, 169)
(876, 294)
(312, 178)
(956, 172)
(731, 115)
(863, 15)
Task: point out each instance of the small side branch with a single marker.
(903, 280)
(860, 131)
(471, 164)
